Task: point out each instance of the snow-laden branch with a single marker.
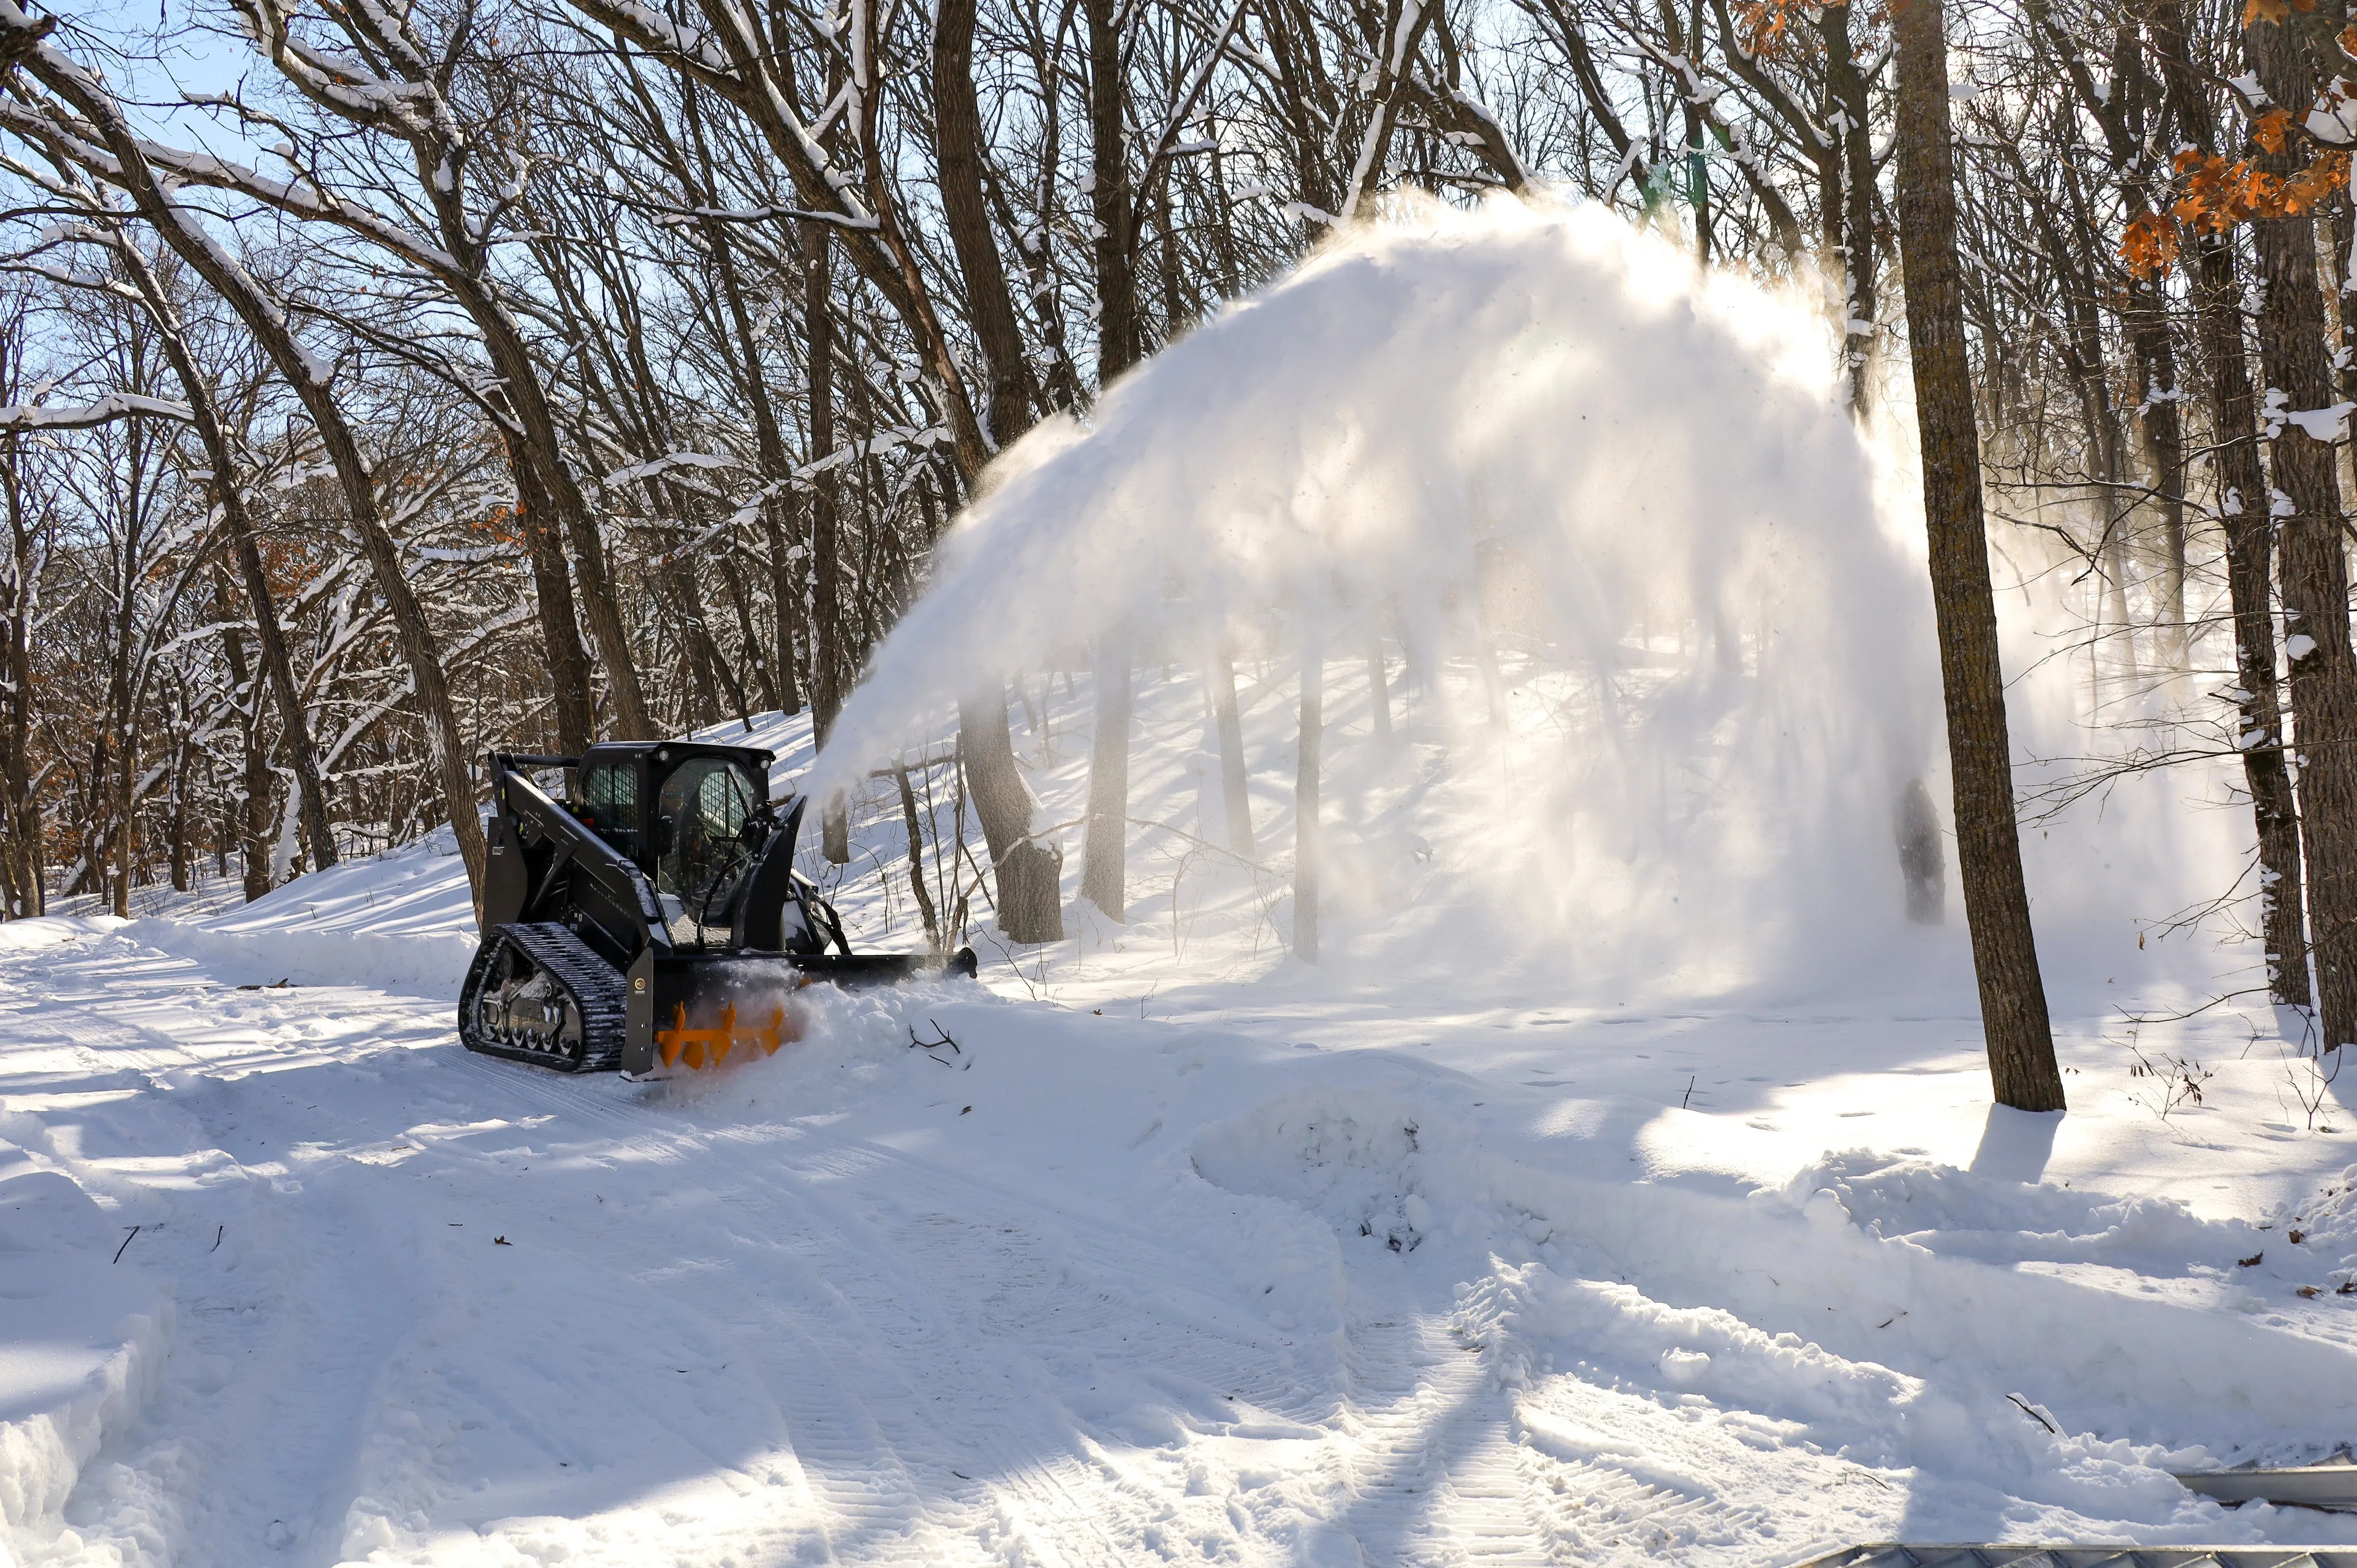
(85, 416)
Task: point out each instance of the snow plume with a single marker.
(1617, 516)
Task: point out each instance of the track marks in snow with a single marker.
(811, 1330)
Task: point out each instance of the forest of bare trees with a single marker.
(382, 383)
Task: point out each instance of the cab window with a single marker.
(609, 799)
(706, 802)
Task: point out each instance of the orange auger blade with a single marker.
(709, 1047)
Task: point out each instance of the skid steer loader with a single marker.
(655, 921)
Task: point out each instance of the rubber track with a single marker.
(594, 984)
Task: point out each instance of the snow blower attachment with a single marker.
(656, 920)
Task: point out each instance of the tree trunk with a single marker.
(2250, 586)
(935, 938)
(1007, 399)
(1235, 770)
(1030, 873)
(2163, 440)
(560, 633)
(2243, 510)
(1845, 96)
(826, 572)
(177, 821)
(254, 804)
(1105, 849)
(1997, 902)
(20, 813)
(2314, 570)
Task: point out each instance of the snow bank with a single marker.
(400, 921)
(82, 1339)
(1851, 1285)
(50, 930)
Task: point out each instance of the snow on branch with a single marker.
(84, 416)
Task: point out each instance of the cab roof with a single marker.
(661, 751)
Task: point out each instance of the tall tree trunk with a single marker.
(2314, 570)
(1997, 902)
(1030, 871)
(560, 633)
(1029, 874)
(253, 815)
(2243, 509)
(1007, 400)
(1235, 777)
(825, 574)
(2163, 439)
(176, 820)
(20, 813)
(1104, 847)
(1846, 97)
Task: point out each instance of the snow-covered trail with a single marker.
(440, 1305)
(1074, 1291)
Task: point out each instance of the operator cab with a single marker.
(689, 814)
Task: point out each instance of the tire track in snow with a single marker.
(979, 1446)
(958, 1370)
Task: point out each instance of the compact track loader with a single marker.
(655, 921)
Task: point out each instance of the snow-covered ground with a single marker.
(1621, 1186)
(1203, 1257)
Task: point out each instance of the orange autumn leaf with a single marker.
(2221, 193)
(2310, 187)
(2268, 129)
(2150, 245)
(2274, 10)
(1770, 30)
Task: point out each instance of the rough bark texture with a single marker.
(2250, 586)
(1007, 399)
(1030, 873)
(825, 578)
(1996, 903)
(20, 813)
(1845, 112)
(2250, 544)
(1103, 851)
(2314, 571)
(560, 633)
(254, 817)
